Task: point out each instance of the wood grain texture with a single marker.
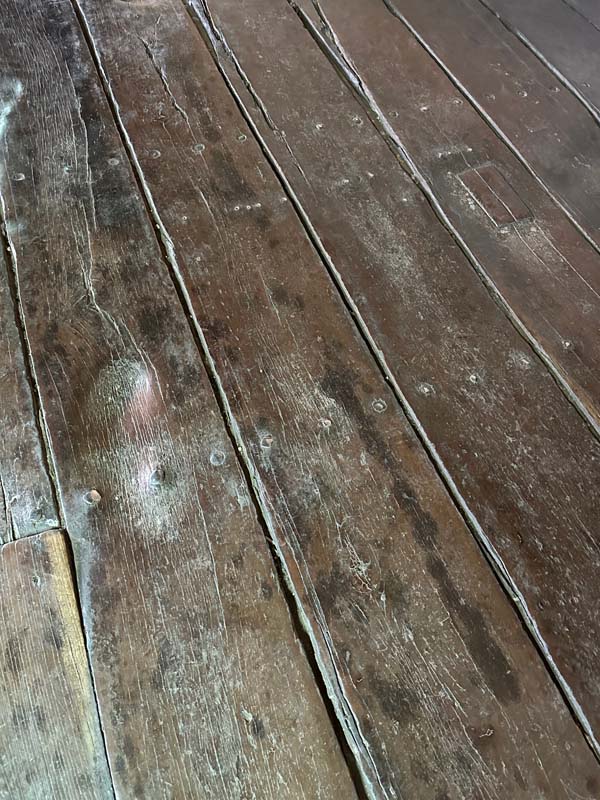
(50, 740)
(524, 463)
(204, 690)
(548, 275)
(561, 38)
(437, 686)
(541, 120)
(27, 503)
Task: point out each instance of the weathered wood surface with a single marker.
(26, 498)
(542, 121)
(524, 463)
(203, 689)
(561, 38)
(544, 269)
(588, 9)
(438, 687)
(50, 740)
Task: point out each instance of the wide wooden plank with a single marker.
(50, 740)
(27, 502)
(561, 38)
(547, 274)
(203, 687)
(520, 459)
(435, 682)
(541, 120)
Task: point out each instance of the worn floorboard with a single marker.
(299, 340)
(203, 688)
(50, 740)
(522, 460)
(387, 575)
(544, 124)
(27, 502)
(562, 39)
(546, 273)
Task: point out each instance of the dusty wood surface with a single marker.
(26, 499)
(523, 460)
(541, 120)
(547, 274)
(436, 684)
(50, 740)
(203, 688)
(588, 9)
(562, 39)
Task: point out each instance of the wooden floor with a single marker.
(300, 399)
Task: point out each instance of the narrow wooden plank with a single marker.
(563, 40)
(27, 503)
(436, 683)
(537, 116)
(203, 687)
(522, 460)
(50, 740)
(547, 274)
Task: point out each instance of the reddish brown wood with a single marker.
(50, 740)
(27, 502)
(203, 687)
(524, 462)
(438, 683)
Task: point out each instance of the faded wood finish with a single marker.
(439, 691)
(562, 39)
(588, 9)
(50, 740)
(544, 269)
(541, 120)
(524, 463)
(26, 499)
(204, 690)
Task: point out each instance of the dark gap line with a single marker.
(74, 583)
(493, 558)
(560, 76)
(490, 122)
(300, 622)
(47, 451)
(581, 14)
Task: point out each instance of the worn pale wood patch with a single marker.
(50, 740)
(204, 690)
(436, 684)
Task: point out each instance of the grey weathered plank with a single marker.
(539, 118)
(203, 688)
(50, 740)
(543, 269)
(588, 9)
(27, 502)
(437, 685)
(520, 459)
(561, 38)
